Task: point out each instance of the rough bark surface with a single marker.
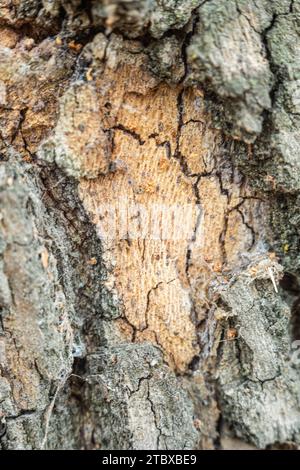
(135, 341)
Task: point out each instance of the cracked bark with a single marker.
(137, 341)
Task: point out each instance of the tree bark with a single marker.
(149, 245)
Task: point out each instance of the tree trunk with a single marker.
(149, 248)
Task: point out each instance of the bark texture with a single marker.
(134, 341)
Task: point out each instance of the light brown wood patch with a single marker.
(160, 153)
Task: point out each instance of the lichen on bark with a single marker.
(181, 343)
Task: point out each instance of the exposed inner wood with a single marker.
(172, 211)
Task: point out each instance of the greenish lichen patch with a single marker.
(228, 55)
(143, 405)
(257, 376)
